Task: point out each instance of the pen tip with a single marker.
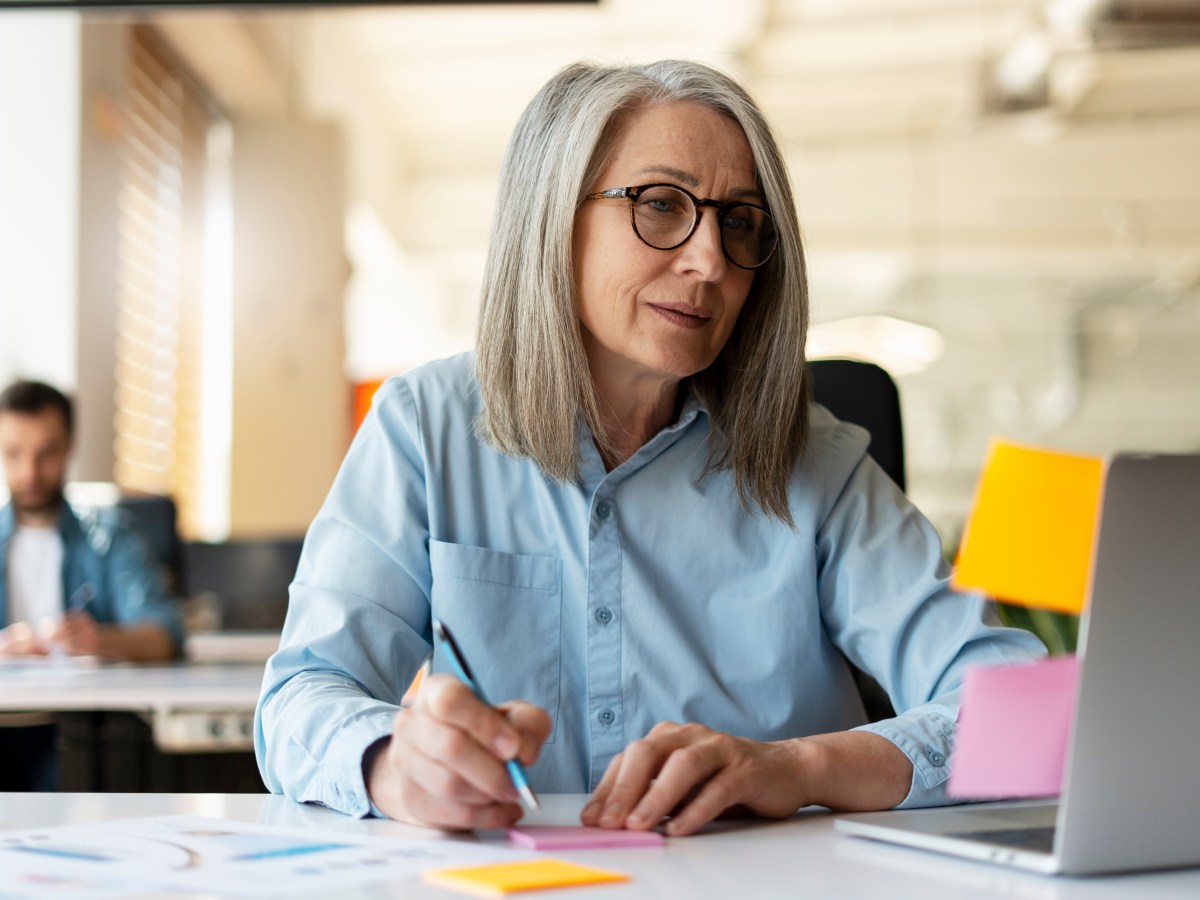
(529, 797)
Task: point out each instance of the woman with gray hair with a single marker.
(646, 540)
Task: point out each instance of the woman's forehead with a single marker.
(682, 140)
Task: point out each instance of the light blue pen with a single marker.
(458, 662)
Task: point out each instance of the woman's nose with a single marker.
(703, 252)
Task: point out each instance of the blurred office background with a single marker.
(220, 229)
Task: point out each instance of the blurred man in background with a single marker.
(78, 584)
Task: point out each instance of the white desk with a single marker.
(798, 858)
(189, 706)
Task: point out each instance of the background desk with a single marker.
(801, 857)
(124, 727)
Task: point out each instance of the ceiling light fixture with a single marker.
(899, 346)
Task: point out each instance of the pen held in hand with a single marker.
(458, 663)
(77, 605)
(81, 599)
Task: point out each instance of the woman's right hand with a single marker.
(444, 764)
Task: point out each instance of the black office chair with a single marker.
(154, 517)
(864, 394)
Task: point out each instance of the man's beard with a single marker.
(40, 506)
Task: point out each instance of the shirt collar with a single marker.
(8, 522)
(67, 525)
(68, 522)
(592, 470)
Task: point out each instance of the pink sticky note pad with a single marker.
(1012, 730)
(578, 837)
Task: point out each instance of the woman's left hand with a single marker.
(695, 774)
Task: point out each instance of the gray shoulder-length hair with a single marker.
(532, 367)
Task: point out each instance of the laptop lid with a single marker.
(1131, 790)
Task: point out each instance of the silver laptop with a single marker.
(1131, 789)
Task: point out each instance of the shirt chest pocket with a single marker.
(505, 610)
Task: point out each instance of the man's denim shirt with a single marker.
(107, 563)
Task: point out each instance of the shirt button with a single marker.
(603, 510)
(607, 717)
(934, 756)
(604, 615)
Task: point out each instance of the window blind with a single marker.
(161, 204)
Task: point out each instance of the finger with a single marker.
(438, 812)
(640, 763)
(23, 641)
(27, 647)
(460, 752)
(64, 629)
(441, 780)
(591, 812)
(448, 699)
(80, 645)
(683, 772)
(70, 623)
(532, 723)
(720, 793)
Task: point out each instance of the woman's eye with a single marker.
(660, 205)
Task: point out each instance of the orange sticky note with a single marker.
(1029, 538)
(525, 875)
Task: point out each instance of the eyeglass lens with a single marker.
(664, 216)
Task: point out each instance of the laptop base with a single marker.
(1006, 833)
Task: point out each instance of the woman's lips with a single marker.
(682, 314)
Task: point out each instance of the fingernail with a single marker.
(590, 809)
(506, 746)
(637, 818)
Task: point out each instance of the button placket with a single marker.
(603, 635)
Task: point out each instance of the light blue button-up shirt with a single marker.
(632, 597)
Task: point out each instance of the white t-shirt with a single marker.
(35, 580)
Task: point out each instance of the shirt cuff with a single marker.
(927, 739)
(344, 788)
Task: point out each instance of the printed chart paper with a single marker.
(197, 854)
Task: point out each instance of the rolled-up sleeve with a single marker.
(886, 602)
(358, 626)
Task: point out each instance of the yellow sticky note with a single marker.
(525, 875)
(1029, 538)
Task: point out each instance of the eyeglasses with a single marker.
(665, 216)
